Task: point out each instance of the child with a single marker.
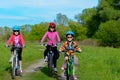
(71, 46)
(51, 36)
(17, 41)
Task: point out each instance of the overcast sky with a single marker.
(20, 12)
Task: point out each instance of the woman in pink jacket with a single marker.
(17, 41)
(52, 36)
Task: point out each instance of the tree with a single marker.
(89, 19)
(109, 10)
(80, 32)
(61, 19)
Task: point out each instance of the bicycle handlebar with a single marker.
(15, 47)
(50, 45)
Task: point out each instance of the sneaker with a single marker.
(21, 71)
(63, 67)
(55, 69)
(75, 78)
(46, 59)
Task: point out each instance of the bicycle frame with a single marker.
(69, 68)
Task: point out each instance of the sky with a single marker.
(20, 12)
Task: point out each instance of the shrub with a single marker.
(109, 33)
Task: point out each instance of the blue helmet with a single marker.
(16, 28)
(70, 33)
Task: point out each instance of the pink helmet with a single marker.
(52, 24)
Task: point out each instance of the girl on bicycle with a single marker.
(17, 41)
(51, 35)
(71, 46)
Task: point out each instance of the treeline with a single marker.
(100, 23)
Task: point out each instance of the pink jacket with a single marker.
(12, 39)
(51, 36)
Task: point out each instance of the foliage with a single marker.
(62, 32)
(38, 31)
(80, 32)
(89, 19)
(109, 33)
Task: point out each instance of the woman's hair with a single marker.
(50, 30)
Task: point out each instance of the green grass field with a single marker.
(96, 63)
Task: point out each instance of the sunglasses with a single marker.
(16, 31)
(52, 27)
(69, 37)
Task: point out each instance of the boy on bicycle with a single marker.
(71, 46)
(17, 41)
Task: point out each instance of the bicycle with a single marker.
(69, 70)
(50, 55)
(15, 63)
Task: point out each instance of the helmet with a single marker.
(52, 24)
(16, 28)
(69, 33)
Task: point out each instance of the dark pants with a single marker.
(55, 56)
(19, 53)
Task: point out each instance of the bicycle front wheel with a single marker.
(67, 71)
(50, 63)
(13, 74)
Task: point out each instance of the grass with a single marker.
(30, 54)
(99, 63)
(96, 63)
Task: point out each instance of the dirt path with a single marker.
(40, 64)
(34, 67)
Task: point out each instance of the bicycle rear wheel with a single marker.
(13, 74)
(50, 63)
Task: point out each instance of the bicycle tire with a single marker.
(13, 74)
(67, 72)
(18, 69)
(50, 63)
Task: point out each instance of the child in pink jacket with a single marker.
(17, 41)
(52, 36)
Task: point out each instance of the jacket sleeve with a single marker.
(43, 38)
(9, 40)
(58, 37)
(62, 48)
(77, 48)
(22, 40)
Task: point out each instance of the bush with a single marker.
(109, 33)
